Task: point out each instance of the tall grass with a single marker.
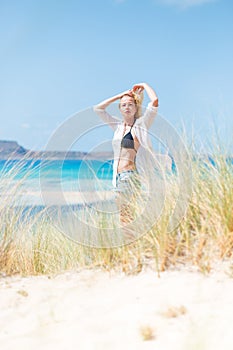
(33, 245)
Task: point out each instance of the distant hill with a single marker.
(9, 148)
(12, 150)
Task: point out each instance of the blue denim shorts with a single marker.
(127, 182)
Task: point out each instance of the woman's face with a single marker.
(128, 107)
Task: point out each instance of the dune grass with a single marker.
(203, 237)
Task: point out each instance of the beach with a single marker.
(56, 198)
(181, 308)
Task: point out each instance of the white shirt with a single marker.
(140, 128)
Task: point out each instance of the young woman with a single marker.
(129, 135)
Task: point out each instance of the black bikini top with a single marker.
(128, 141)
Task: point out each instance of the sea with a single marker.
(33, 177)
(76, 196)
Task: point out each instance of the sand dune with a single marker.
(183, 309)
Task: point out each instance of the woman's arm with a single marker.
(152, 108)
(107, 102)
(100, 109)
(150, 92)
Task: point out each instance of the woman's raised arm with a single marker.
(150, 92)
(100, 109)
(152, 108)
(104, 104)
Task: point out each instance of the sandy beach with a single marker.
(34, 198)
(91, 309)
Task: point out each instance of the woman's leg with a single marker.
(128, 187)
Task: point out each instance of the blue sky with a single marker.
(59, 57)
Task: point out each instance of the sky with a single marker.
(60, 57)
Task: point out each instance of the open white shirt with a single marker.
(140, 128)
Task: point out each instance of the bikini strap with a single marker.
(133, 124)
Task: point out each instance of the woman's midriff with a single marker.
(127, 160)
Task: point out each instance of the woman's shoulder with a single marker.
(148, 112)
(119, 125)
(139, 121)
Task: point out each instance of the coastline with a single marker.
(90, 309)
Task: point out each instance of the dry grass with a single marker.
(204, 236)
(174, 311)
(147, 333)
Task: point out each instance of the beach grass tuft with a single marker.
(147, 333)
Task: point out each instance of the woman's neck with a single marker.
(130, 121)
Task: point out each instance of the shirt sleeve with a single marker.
(149, 115)
(112, 121)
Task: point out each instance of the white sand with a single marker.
(66, 197)
(48, 198)
(96, 310)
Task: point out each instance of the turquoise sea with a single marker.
(62, 186)
(56, 175)
(55, 172)
(33, 177)
(76, 197)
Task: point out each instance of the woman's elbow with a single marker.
(97, 108)
(155, 102)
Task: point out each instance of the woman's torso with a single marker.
(128, 150)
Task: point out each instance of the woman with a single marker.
(129, 134)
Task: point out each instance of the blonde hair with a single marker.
(138, 99)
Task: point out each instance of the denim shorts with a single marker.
(127, 182)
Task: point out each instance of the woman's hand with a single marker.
(149, 90)
(138, 87)
(127, 92)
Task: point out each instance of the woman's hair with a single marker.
(138, 99)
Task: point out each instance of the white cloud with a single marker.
(25, 126)
(184, 3)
